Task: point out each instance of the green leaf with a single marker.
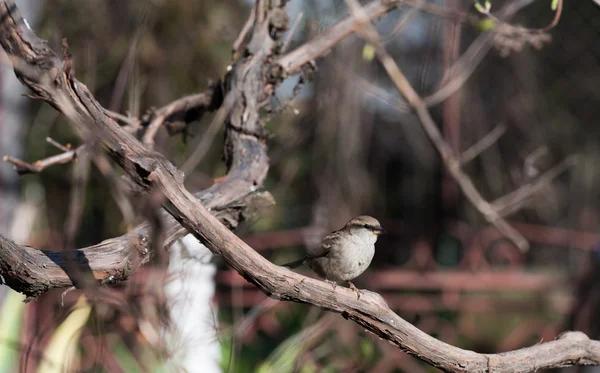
(368, 52)
(308, 368)
(486, 24)
(554, 5)
(367, 349)
(11, 322)
(483, 8)
(61, 352)
(123, 355)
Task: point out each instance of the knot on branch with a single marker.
(68, 66)
(236, 212)
(278, 23)
(260, 133)
(142, 244)
(574, 336)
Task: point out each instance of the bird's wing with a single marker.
(295, 263)
(318, 252)
(325, 246)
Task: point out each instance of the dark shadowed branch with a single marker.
(23, 167)
(228, 200)
(245, 155)
(450, 159)
(195, 104)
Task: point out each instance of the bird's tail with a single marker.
(294, 264)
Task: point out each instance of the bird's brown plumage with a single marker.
(346, 253)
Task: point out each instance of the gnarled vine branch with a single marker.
(247, 163)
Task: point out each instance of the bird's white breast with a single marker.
(354, 256)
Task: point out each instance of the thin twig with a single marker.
(403, 21)
(441, 11)
(153, 173)
(550, 26)
(449, 157)
(242, 326)
(515, 200)
(371, 88)
(79, 182)
(481, 145)
(529, 168)
(293, 61)
(244, 33)
(38, 166)
(296, 59)
(457, 75)
(132, 122)
(468, 62)
(147, 21)
(290, 34)
(118, 188)
(59, 146)
(209, 135)
(199, 100)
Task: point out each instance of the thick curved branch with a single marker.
(33, 272)
(189, 106)
(42, 71)
(293, 62)
(153, 172)
(450, 159)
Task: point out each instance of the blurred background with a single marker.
(343, 145)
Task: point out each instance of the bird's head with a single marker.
(365, 222)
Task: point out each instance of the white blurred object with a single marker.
(16, 219)
(12, 128)
(190, 288)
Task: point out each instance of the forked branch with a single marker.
(451, 160)
(247, 165)
(23, 167)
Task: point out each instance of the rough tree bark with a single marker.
(250, 83)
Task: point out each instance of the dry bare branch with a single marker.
(23, 167)
(207, 100)
(290, 36)
(317, 47)
(247, 165)
(463, 68)
(237, 44)
(449, 157)
(515, 200)
(133, 124)
(481, 145)
(115, 259)
(209, 135)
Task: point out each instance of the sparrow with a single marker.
(344, 254)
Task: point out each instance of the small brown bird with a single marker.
(344, 254)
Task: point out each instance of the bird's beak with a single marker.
(379, 230)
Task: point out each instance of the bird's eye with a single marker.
(366, 226)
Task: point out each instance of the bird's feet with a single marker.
(354, 289)
(333, 284)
